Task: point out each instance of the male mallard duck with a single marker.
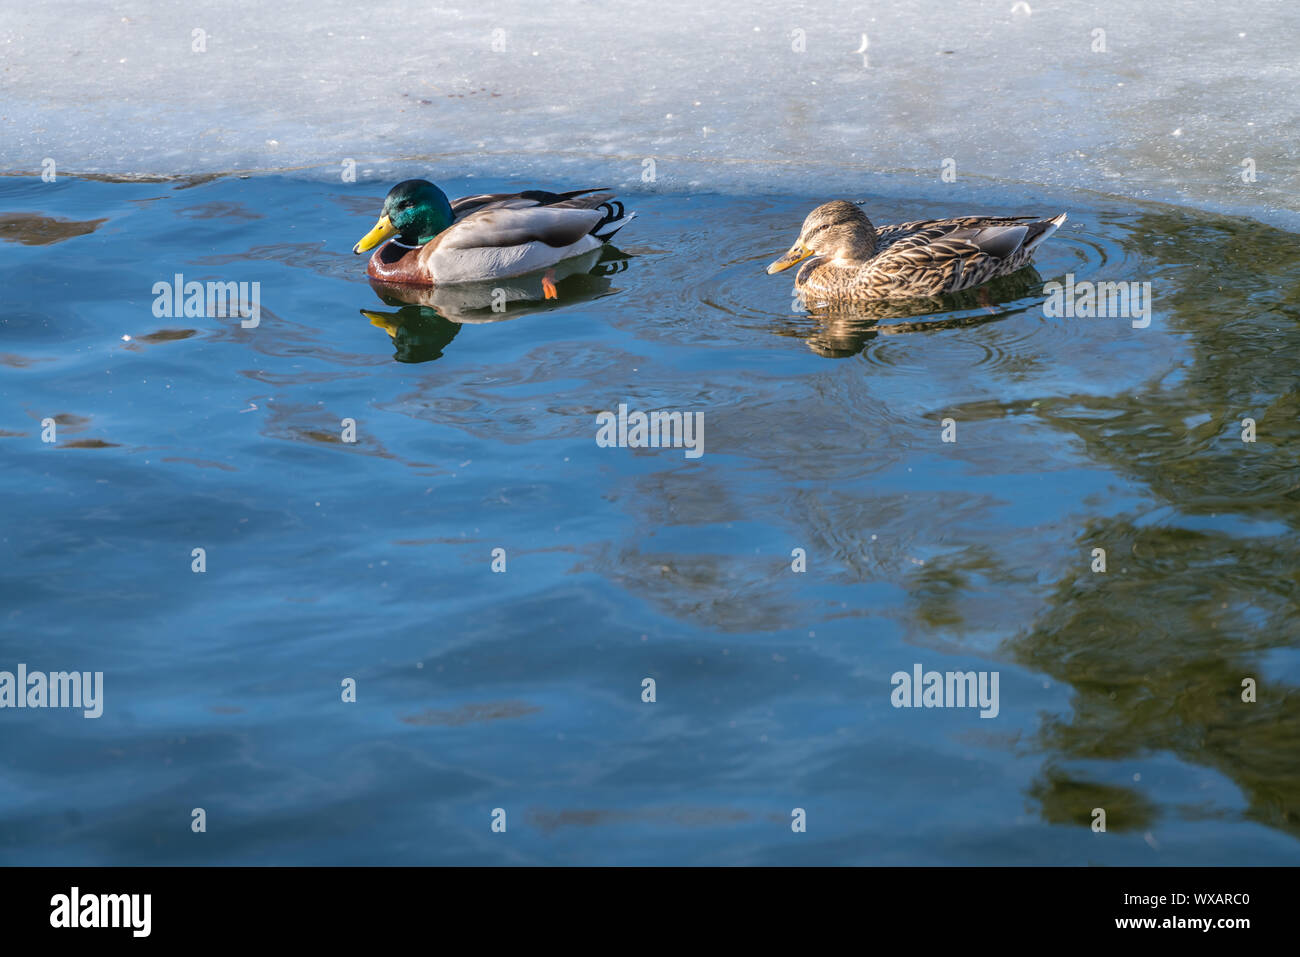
(486, 237)
(853, 260)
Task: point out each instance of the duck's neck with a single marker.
(859, 246)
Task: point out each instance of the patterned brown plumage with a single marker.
(845, 258)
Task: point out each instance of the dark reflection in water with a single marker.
(372, 556)
(1158, 648)
(429, 317)
(32, 229)
(419, 333)
(840, 330)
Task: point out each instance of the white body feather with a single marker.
(502, 241)
(477, 263)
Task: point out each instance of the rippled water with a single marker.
(476, 690)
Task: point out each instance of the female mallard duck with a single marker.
(855, 261)
(486, 237)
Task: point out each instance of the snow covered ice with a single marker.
(1163, 100)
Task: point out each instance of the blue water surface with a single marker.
(522, 689)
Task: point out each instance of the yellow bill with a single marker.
(796, 255)
(384, 229)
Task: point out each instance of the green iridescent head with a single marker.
(414, 210)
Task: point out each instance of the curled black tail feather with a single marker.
(615, 217)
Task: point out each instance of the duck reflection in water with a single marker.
(429, 317)
(839, 330)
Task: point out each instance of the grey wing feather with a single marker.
(558, 225)
(472, 204)
(998, 236)
(574, 199)
(1001, 242)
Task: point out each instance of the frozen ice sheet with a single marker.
(1167, 103)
